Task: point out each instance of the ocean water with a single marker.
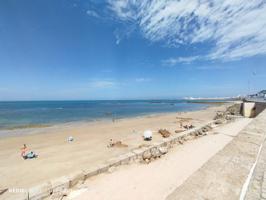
(23, 114)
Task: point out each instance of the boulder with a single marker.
(163, 150)
(200, 132)
(181, 141)
(219, 121)
(146, 155)
(155, 152)
(147, 161)
(234, 109)
(219, 115)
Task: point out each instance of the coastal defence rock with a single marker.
(155, 152)
(234, 109)
(220, 115)
(220, 121)
(163, 150)
(146, 155)
(225, 116)
(165, 133)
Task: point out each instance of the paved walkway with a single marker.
(223, 176)
(257, 185)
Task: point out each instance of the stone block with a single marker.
(41, 191)
(76, 177)
(89, 172)
(131, 155)
(138, 152)
(102, 168)
(15, 194)
(124, 159)
(60, 185)
(114, 162)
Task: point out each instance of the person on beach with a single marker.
(26, 154)
(111, 143)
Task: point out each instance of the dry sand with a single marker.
(158, 179)
(57, 157)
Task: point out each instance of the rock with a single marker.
(228, 118)
(231, 110)
(147, 161)
(59, 195)
(190, 137)
(163, 150)
(165, 133)
(206, 129)
(2, 191)
(146, 155)
(219, 121)
(180, 141)
(155, 152)
(200, 132)
(219, 115)
(111, 169)
(234, 109)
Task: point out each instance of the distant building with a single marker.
(261, 94)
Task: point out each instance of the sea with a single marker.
(32, 114)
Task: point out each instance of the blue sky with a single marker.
(131, 49)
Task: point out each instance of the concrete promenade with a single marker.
(224, 175)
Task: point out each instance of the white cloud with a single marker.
(141, 80)
(93, 13)
(235, 28)
(174, 61)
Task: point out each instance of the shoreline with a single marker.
(31, 129)
(57, 157)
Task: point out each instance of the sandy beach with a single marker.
(58, 157)
(155, 181)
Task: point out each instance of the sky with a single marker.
(131, 49)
